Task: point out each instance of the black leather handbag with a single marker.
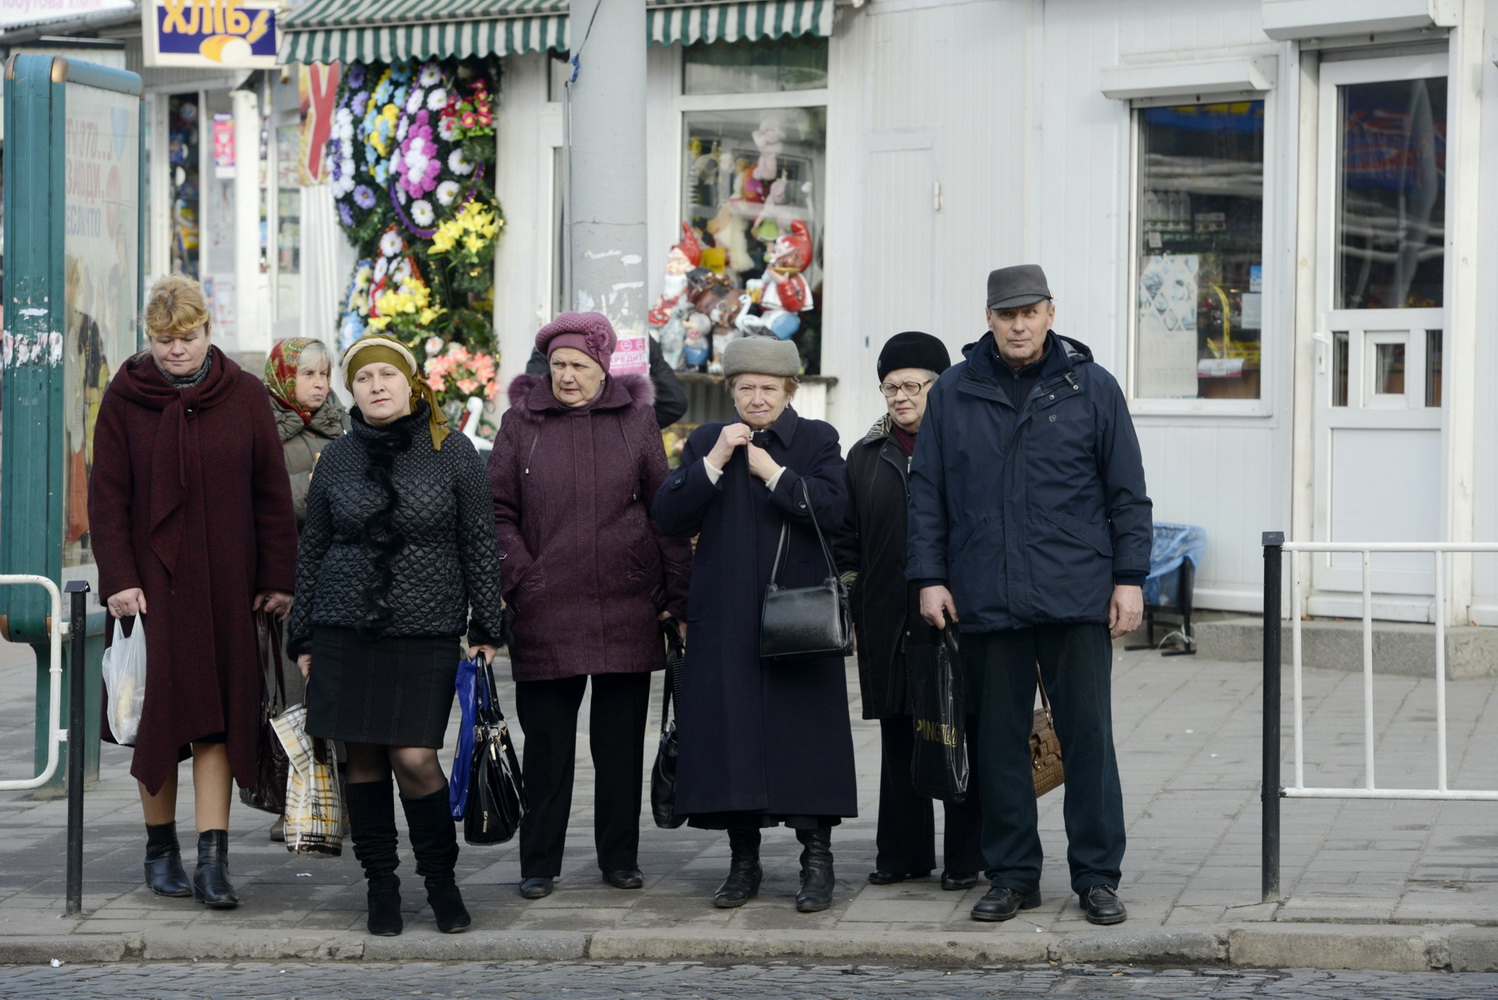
(663, 774)
(496, 791)
(802, 622)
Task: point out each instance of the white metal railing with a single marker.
(1370, 790)
(56, 735)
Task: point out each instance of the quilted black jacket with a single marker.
(399, 538)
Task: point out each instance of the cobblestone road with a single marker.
(700, 981)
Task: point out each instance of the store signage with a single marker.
(14, 12)
(223, 144)
(210, 34)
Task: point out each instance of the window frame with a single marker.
(1271, 346)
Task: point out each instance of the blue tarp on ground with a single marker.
(1174, 543)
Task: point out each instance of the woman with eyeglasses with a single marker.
(871, 557)
(761, 743)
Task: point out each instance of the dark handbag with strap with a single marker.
(663, 774)
(937, 691)
(268, 791)
(1045, 747)
(496, 791)
(803, 622)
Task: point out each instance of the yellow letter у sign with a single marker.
(207, 34)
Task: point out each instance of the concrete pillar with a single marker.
(605, 170)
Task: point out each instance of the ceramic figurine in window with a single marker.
(666, 316)
(783, 293)
(705, 292)
(769, 138)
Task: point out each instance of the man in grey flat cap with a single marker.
(1030, 531)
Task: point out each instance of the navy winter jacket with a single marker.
(1028, 515)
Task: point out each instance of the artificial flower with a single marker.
(431, 74)
(391, 243)
(459, 164)
(364, 197)
(437, 99)
(447, 191)
(421, 212)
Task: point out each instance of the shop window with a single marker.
(183, 187)
(755, 67)
(1200, 251)
(1391, 198)
(288, 224)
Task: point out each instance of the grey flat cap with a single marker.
(761, 356)
(1020, 285)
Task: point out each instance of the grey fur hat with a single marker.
(761, 356)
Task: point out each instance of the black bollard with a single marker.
(77, 625)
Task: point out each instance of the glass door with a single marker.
(1381, 290)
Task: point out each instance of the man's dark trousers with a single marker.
(1076, 663)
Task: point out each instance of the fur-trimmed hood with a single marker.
(531, 395)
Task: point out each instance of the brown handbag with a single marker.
(1045, 748)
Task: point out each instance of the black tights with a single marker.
(416, 769)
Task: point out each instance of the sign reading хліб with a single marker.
(209, 34)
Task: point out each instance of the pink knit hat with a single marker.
(589, 332)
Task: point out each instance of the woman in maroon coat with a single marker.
(588, 574)
(193, 531)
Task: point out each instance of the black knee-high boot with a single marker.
(165, 875)
(744, 872)
(371, 816)
(210, 881)
(434, 841)
(816, 869)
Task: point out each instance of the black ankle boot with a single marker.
(434, 841)
(816, 870)
(210, 881)
(165, 875)
(744, 872)
(371, 815)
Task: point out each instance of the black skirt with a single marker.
(395, 690)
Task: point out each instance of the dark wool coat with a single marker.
(303, 442)
(189, 502)
(760, 736)
(398, 539)
(872, 546)
(1029, 514)
(584, 569)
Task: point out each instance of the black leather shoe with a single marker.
(1101, 905)
(957, 881)
(536, 886)
(881, 877)
(624, 878)
(210, 880)
(1002, 903)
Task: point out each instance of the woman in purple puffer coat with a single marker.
(588, 575)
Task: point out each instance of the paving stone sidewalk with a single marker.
(1400, 885)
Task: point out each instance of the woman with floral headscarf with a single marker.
(398, 559)
(308, 414)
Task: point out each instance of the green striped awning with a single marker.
(324, 31)
(687, 21)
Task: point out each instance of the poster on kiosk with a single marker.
(73, 197)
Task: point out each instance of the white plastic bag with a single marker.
(125, 682)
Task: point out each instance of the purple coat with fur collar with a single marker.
(585, 568)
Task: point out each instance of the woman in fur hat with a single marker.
(398, 546)
(588, 575)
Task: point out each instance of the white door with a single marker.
(1381, 294)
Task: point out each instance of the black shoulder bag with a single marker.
(802, 622)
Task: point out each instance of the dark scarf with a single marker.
(186, 381)
(382, 445)
(903, 438)
(176, 459)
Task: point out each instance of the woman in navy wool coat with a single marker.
(761, 742)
